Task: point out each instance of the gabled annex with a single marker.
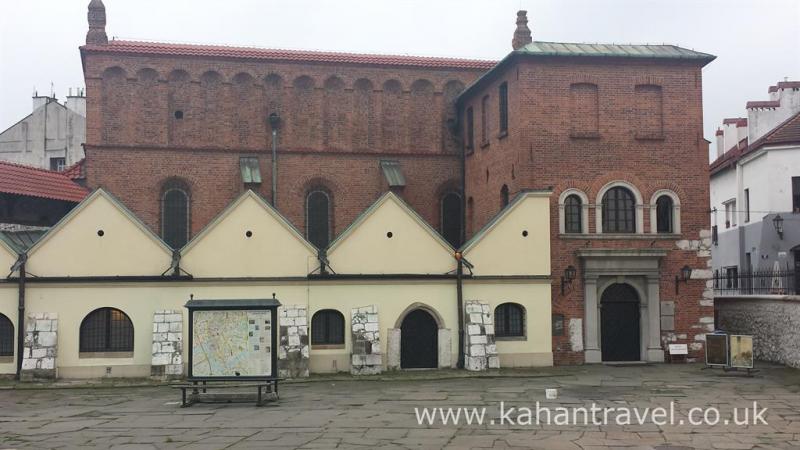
(99, 238)
(390, 238)
(516, 241)
(249, 239)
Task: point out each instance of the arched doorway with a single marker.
(619, 323)
(419, 341)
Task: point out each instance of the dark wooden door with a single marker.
(419, 341)
(619, 323)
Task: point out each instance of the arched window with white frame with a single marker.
(175, 201)
(618, 209)
(573, 208)
(318, 218)
(665, 212)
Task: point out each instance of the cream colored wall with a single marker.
(74, 249)
(411, 249)
(8, 307)
(72, 302)
(534, 296)
(224, 250)
(505, 251)
(392, 298)
(7, 259)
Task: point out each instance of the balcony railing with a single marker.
(765, 282)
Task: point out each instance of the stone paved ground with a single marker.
(380, 414)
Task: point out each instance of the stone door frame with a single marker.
(640, 268)
(395, 335)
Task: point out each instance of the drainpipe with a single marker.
(274, 121)
(460, 298)
(21, 314)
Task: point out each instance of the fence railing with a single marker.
(765, 282)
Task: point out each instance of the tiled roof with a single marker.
(739, 121)
(75, 171)
(613, 50)
(217, 51)
(34, 182)
(788, 132)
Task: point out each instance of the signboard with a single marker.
(717, 349)
(232, 339)
(678, 349)
(741, 351)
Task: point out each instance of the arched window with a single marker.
(451, 218)
(504, 196)
(175, 214)
(6, 336)
(573, 214)
(318, 218)
(327, 328)
(619, 211)
(509, 320)
(664, 223)
(106, 330)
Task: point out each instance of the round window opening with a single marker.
(389, 235)
(100, 233)
(248, 233)
(524, 233)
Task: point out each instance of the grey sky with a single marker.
(757, 42)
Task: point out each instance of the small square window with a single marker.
(251, 172)
(58, 164)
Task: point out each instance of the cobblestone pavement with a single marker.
(380, 414)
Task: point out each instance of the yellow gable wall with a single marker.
(74, 248)
(412, 249)
(7, 259)
(503, 250)
(273, 250)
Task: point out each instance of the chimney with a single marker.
(720, 142)
(77, 103)
(39, 101)
(97, 23)
(522, 35)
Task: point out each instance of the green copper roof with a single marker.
(612, 50)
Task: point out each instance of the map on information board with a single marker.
(231, 343)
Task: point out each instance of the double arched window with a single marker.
(106, 330)
(509, 320)
(6, 336)
(318, 218)
(619, 211)
(451, 218)
(327, 328)
(175, 213)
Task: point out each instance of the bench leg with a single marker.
(276, 389)
(183, 398)
(259, 402)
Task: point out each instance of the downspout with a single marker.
(460, 268)
(274, 121)
(21, 315)
(460, 299)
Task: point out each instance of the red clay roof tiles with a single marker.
(34, 182)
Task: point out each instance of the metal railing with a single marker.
(763, 282)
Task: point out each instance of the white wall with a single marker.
(29, 142)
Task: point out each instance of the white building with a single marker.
(754, 180)
(50, 137)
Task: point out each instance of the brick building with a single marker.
(177, 132)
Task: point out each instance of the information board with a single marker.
(231, 343)
(717, 349)
(741, 351)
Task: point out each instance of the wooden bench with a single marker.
(198, 386)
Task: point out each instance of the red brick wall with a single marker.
(338, 121)
(543, 150)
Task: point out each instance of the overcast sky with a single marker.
(757, 42)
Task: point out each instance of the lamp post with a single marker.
(777, 222)
(686, 274)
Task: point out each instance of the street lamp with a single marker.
(777, 222)
(686, 274)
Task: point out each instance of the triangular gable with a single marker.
(100, 237)
(413, 248)
(274, 248)
(516, 241)
(8, 256)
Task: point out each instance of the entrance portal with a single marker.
(419, 341)
(619, 323)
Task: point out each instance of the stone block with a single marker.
(576, 334)
(162, 327)
(475, 364)
(294, 340)
(374, 359)
(667, 323)
(174, 369)
(288, 321)
(491, 349)
(177, 358)
(174, 327)
(47, 363)
(174, 337)
(301, 321)
(494, 362)
(371, 326)
(476, 318)
(707, 319)
(43, 325)
(668, 308)
(29, 364)
(473, 308)
(37, 353)
(701, 274)
(488, 330)
(158, 318)
(161, 359)
(445, 348)
(47, 339)
(477, 339)
(477, 350)
(486, 318)
(393, 348)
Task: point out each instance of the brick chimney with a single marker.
(97, 23)
(522, 35)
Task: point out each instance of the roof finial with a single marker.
(97, 23)
(522, 35)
